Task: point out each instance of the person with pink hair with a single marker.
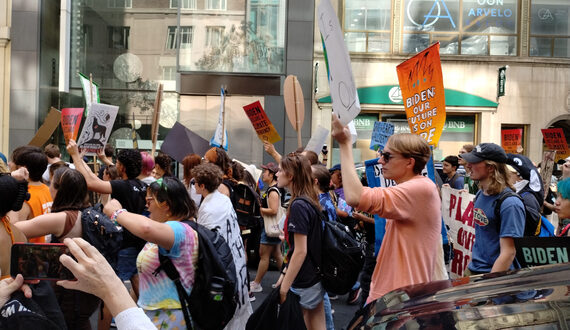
(147, 166)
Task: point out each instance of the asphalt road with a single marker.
(343, 312)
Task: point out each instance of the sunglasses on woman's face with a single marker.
(386, 156)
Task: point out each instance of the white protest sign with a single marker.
(318, 140)
(97, 128)
(343, 89)
(457, 212)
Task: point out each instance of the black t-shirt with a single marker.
(131, 194)
(303, 219)
(265, 196)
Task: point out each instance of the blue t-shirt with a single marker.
(455, 182)
(487, 247)
(327, 204)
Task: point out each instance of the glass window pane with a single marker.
(431, 15)
(503, 46)
(355, 19)
(355, 41)
(549, 18)
(474, 45)
(448, 43)
(561, 47)
(378, 42)
(367, 14)
(540, 46)
(415, 43)
(490, 16)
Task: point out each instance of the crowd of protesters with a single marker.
(44, 196)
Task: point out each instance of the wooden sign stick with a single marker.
(223, 118)
(156, 118)
(297, 115)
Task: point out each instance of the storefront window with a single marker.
(367, 25)
(463, 27)
(550, 28)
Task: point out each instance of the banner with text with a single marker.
(70, 122)
(380, 134)
(262, 125)
(538, 251)
(555, 140)
(421, 83)
(511, 139)
(457, 212)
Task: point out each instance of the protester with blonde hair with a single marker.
(494, 248)
(412, 209)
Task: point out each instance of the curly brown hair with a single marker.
(208, 174)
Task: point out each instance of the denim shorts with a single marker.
(266, 240)
(127, 263)
(310, 297)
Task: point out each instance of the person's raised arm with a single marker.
(141, 226)
(350, 181)
(270, 149)
(101, 155)
(95, 276)
(93, 182)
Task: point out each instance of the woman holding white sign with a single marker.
(412, 209)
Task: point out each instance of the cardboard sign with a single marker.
(457, 213)
(97, 128)
(318, 140)
(538, 251)
(555, 140)
(380, 134)
(180, 142)
(421, 83)
(48, 127)
(70, 122)
(343, 89)
(511, 139)
(90, 92)
(263, 127)
(546, 168)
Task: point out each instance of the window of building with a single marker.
(549, 28)
(184, 4)
(186, 34)
(168, 73)
(120, 3)
(216, 4)
(463, 27)
(367, 25)
(118, 37)
(87, 33)
(214, 35)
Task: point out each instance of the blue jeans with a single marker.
(328, 312)
(127, 263)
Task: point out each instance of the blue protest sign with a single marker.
(380, 134)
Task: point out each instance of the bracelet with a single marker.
(116, 214)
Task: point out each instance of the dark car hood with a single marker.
(532, 297)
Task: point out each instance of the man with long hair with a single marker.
(494, 248)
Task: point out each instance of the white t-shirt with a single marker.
(216, 212)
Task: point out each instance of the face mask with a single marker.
(519, 185)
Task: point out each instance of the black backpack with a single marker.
(342, 257)
(532, 218)
(213, 300)
(101, 232)
(247, 205)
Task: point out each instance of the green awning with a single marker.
(382, 95)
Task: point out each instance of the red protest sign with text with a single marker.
(511, 139)
(555, 139)
(421, 83)
(70, 121)
(263, 127)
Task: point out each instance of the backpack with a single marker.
(532, 222)
(247, 205)
(101, 232)
(342, 257)
(213, 300)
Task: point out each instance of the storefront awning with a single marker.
(391, 95)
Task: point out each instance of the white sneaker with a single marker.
(255, 287)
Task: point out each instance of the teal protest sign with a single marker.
(537, 251)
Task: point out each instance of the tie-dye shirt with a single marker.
(159, 292)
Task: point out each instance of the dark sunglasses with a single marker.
(386, 156)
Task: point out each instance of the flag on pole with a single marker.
(90, 91)
(219, 140)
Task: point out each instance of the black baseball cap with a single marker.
(486, 151)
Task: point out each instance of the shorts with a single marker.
(310, 297)
(266, 240)
(127, 263)
(167, 318)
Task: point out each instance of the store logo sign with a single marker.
(430, 18)
(395, 94)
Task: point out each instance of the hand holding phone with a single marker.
(39, 261)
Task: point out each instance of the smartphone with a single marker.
(39, 261)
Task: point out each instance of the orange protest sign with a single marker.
(70, 121)
(511, 139)
(263, 127)
(555, 139)
(421, 83)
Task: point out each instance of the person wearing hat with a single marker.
(494, 248)
(270, 204)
